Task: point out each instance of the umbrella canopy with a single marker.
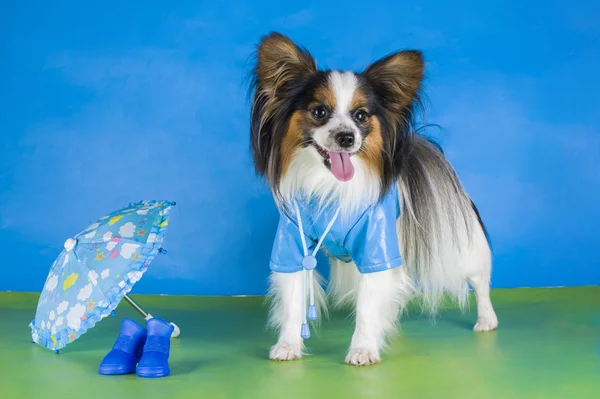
(96, 269)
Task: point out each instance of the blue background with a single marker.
(108, 102)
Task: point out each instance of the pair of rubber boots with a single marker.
(140, 350)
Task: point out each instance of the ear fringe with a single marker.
(281, 69)
(397, 79)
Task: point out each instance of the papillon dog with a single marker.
(354, 177)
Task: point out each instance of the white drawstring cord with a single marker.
(309, 263)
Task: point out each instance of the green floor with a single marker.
(547, 347)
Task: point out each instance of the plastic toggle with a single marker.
(309, 262)
(312, 313)
(305, 332)
(70, 244)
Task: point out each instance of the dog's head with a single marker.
(324, 133)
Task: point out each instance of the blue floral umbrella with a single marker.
(96, 269)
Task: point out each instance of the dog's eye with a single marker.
(319, 112)
(361, 115)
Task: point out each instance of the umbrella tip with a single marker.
(70, 244)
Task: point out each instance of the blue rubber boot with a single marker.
(155, 359)
(126, 351)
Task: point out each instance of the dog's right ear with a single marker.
(280, 62)
(280, 73)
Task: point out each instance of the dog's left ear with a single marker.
(397, 78)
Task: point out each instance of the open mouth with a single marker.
(338, 163)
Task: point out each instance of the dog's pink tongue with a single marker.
(341, 166)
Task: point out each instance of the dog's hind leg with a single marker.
(486, 316)
(479, 268)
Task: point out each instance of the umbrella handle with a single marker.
(148, 316)
(176, 330)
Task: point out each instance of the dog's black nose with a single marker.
(345, 139)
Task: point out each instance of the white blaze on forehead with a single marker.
(344, 85)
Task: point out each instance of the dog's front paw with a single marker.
(285, 351)
(486, 324)
(362, 357)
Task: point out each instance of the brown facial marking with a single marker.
(359, 100)
(372, 148)
(324, 96)
(291, 141)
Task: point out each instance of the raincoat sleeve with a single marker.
(287, 252)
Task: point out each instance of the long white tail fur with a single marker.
(442, 239)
